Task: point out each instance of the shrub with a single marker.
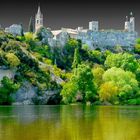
(12, 59)
(7, 88)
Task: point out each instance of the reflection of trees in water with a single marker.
(114, 123)
(5, 111)
(77, 122)
(29, 114)
(70, 123)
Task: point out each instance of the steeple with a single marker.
(39, 11)
(132, 22)
(38, 19)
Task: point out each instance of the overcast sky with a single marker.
(70, 13)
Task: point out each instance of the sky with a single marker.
(70, 13)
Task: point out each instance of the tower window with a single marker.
(37, 21)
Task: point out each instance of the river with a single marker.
(70, 122)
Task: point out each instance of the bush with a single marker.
(137, 48)
(123, 83)
(98, 73)
(80, 86)
(122, 60)
(12, 59)
(108, 92)
(7, 88)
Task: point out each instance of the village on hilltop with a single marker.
(93, 36)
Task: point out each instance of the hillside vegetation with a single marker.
(77, 73)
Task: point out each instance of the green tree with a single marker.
(125, 81)
(85, 47)
(7, 88)
(72, 43)
(80, 86)
(137, 48)
(69, 92)
(138, 41)
(31, 27)
(108, 92)
(96, 56)
(76, 59)
(98, 73)
(12, 59)
(122, 60)
(22, 30)
(29, 36)
(64, 55)
(84, 78)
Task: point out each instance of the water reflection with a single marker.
(69, 123)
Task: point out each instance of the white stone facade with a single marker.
(94, 26)
(130, 23)
(127, 26)
(38, 20)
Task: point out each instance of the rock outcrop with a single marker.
(14, 29)
(4, 71)
(49, 97)
(25, 94)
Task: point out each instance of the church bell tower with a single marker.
(38, 20)
(132, 22)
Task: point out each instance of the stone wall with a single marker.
(103, 39)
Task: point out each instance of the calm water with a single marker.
(77, 122)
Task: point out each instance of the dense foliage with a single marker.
(7, 87)
(78, 73)
(118, 86)
(80, 87)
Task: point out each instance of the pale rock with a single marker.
(14, 29)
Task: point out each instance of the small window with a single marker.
(37, 21)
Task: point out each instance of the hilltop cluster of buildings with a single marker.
(93, 36)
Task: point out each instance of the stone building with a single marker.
(94, 37)
(130, 23)
(93, 26)
(38, 20)
(107, 39)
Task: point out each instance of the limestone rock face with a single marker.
(6, 72)
(25, 94)
(47, 98)
(14, 29)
